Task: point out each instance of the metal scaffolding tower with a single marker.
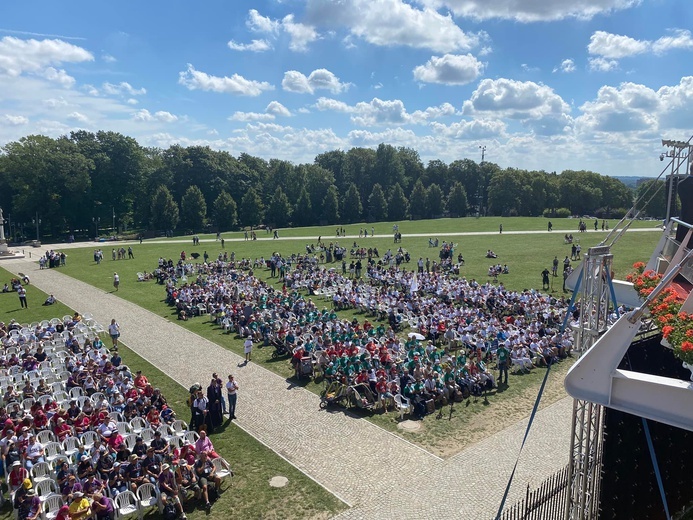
(587, 428)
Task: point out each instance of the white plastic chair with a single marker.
(125, 504)
(123, 428)
(147, 496)
(137, 424)
(88, 438)
(191, 436)
(179, 427)
(44, 399)
(129, 440)
(221, 470)
(147, 435)
(52, 451)
(45, 436)
(403, 405)
(166, 431)
(117, 417)
(45, 488)
(75, 392)
(41, 471)
(52, 505)
(70, 446)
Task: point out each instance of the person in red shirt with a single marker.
(140, 380)
(62, 430)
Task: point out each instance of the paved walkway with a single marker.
(375, 472)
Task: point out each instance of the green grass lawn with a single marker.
(250, 495)
(436, 227)
(526, 256)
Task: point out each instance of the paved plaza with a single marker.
(376, 473)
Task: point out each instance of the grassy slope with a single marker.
(254, 464)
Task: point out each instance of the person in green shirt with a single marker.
(503, 358)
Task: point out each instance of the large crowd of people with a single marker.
(456, 326)
(79, 428)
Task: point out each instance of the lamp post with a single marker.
(115, 232)
(37, 222)
(96, 221)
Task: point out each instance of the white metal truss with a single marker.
(587, 428)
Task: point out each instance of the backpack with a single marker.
(170, 512)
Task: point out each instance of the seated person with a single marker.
(50, 300)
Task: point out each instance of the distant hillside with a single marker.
(630, 181)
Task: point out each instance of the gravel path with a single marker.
(375, 472)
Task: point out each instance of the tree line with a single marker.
(88, 181)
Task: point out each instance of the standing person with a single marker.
(214, 398)
(232, 393)
(21, 292)
(131, 255)
(550, 228)
(545, 279)
(503, 355)
(248, 347)
(116, 281)
(500, 229)
(114, 332)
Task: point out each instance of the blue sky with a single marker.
(565, 84)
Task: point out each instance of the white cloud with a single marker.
(611, 47)
(91, 90)
(236, 84)
(300, 34)
(325, 104)
(145, 116)
(165, 117)
(319, 79)
(678, 39)
(627, 108)
(123, 88)
(515, 99)
(432, 113)
(676, 106)
(253, 46)
(567, 66)
(79, 117)
(59, 76)
(450, 69)
(615, 46)
(384, 112)
(602, 64)
(392, 23)
(132, 101)
(275, 108)
(474, 129)
(530, 11)
(15, 120)
(108, 58)
(19, 56)
(54, 102)
(247, 117)
(258, 23)
(537, 106)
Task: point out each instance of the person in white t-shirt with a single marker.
(232, 392)
(114, 331)
(248, 347)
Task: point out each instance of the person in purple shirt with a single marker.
(102, 507)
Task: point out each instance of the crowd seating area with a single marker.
(80, 430)
(455, 325)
